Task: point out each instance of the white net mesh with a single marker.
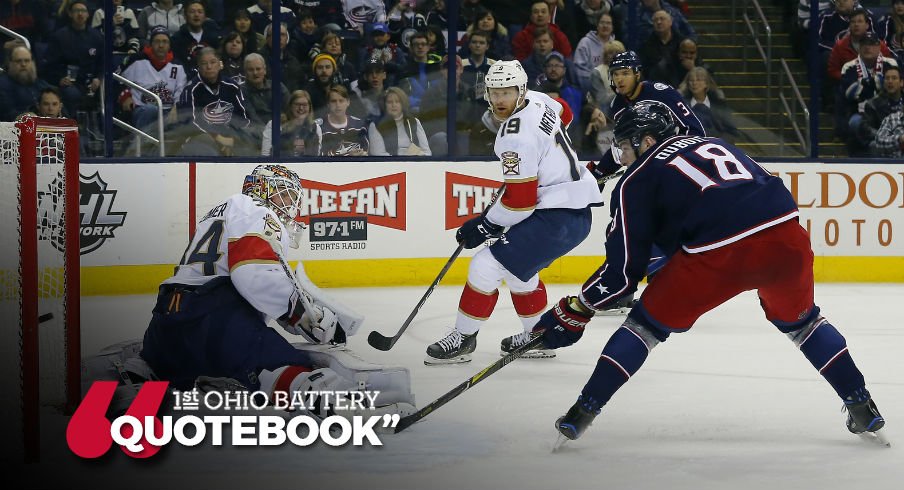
(10, 297)
(51, 288)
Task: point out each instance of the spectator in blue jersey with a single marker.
(217, 116)
(75, 59)
(343, 135)
(728, 227)
(20, 86)
(834, 24)
(404, 17)
(197, 32)
(475, 68)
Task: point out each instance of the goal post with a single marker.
(39, 274)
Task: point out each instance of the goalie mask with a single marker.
(279, 189)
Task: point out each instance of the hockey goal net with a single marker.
(39, 275)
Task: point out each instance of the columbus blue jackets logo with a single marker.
(98, 220)
(218, 112)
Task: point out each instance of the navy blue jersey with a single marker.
(687, 192)
(687, 120)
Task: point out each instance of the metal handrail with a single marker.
(16, 35)
(803, 138)
(765, 55)
(160, 140)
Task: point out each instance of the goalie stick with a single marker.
(408, 420)
(381, 342)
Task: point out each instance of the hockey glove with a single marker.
(603, 175)
(477, 230)
(564, 324)
(315, 323)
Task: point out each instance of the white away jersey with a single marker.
(539, 165)
(243, 240)
(167, 82)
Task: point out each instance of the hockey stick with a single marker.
(408, 420)
(381, 342)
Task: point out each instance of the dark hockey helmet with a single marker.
(645, 118)
(627, 59)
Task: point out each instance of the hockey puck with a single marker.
(46, 317)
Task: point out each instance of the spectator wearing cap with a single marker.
(380, 48)
(74, 59)
(261, 15)
(324, 68)
(368, 90)
(539, 17)
(155, 69)
(847, 48)
(554, 74)
(860, 82)
(164, 13)
(331, 44)
(589, 53)
(294, 74)
(20, 86)
(196, 33)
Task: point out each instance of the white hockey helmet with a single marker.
(504, 74)
(279, 189)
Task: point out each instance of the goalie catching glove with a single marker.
(477, 230)
(564, 324)
(315, 323)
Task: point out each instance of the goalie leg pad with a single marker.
(393, 383)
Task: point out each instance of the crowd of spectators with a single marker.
(357, 76)
(370, 76)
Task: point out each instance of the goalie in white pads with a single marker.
(542, 214)
(211, 316)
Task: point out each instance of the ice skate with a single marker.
(864, 419)
(511, 343)
(454, 348)
(573, 424)
(622, 307)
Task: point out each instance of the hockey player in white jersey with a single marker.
(210, 320)
(543, 213)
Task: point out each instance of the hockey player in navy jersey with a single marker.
(729, 227)
(210, 319)
(625, 78)
(542, 214)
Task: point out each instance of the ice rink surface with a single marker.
(731, 404)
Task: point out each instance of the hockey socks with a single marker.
(530, 305)
(827, 351)
(623, 355)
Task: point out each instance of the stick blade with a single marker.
(379, 341)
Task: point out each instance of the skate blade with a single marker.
(613, 312)
(533, 354)
(432, 361)
(875, 438)
(560, 442)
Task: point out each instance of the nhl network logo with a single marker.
(98, 221)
